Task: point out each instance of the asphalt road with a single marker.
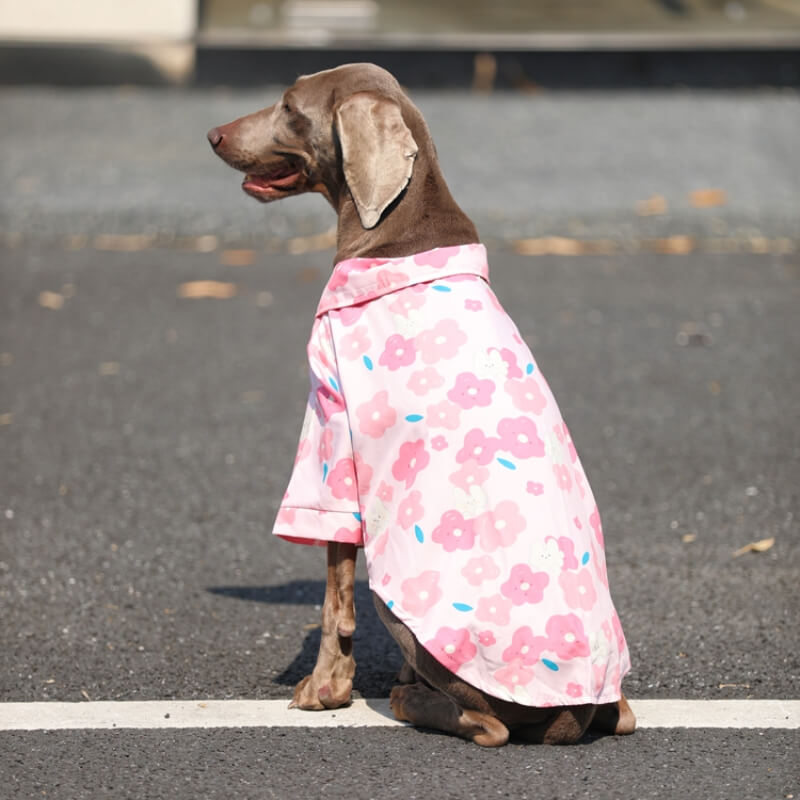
(146, 439)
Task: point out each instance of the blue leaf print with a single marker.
(324, 472)
(550, 664)
(419, 534)
(438, 287)
(390, 604)
(462, 607)
(367, 362)
(357, 515)
(529, 369)
(507, 464)
(333, 383)
(585, 559)
(413, 417)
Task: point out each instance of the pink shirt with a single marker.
(432, 439)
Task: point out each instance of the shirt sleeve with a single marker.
(321, 502)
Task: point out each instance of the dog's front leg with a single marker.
(331, 682)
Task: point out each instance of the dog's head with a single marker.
(341, 130)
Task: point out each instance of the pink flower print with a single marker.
(413, 459)
(385, 492)
(478, 447)
(443, 415)
(439, 443)
(355, 343)
(363, 471)
(567, 548)
(473, 305)
(594, 521)
(512, 371)
(470, 390)
(303, 449)
(480, 569)
(376, 415)
(423, 380)
(379, 547)
(350, 535)
(563, 479)
(436, 258)
(574, 690)
(518, 435)
(442, 342)
(578, 589)
(349, 315)
(526, 395)
(566, 636)
(499, 528)
(454, 532)
(340, 275)
(407, 301)
(534, 487)
(618, 634)
(410, 510)
(325, 449)
(606, 628)
(342, 480)
(286, 516)
(562, 431)
(579, 479)
(486, 638)
(514, 675)
(525, 647)
(398, 352)
(387, 278)
(452, 647)
(420, 594)
(495, 609)
(471, 474)
(524, 585)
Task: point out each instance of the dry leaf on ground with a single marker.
(653, 206)
(195, 290)
(755, 547)
(237, 258)
(671, 245)
(562, 246)
(123, 242)
(52, 300)
(311, 244)
(708, 198)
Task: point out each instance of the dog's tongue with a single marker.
(272, 181)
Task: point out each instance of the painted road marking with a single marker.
(362, 713)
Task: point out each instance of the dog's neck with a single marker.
(423, 217)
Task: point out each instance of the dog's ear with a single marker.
(378, 152)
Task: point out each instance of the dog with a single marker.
(432, 440)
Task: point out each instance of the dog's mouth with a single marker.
(274, 184)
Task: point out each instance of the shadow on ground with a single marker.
(376, 653)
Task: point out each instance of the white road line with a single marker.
(362, 713)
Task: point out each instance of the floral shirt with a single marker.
(432, 439)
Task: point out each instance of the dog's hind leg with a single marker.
(563, 726)
(428, 708)
(616, 718)
(439, 699)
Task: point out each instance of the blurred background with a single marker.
(634, 169)
(434, 43)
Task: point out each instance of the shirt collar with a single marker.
(359, 280)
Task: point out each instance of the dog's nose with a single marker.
(215, 137)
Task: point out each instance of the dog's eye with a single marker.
(287, 108)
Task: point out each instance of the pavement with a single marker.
(647, 246)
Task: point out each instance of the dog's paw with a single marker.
(313, 694)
